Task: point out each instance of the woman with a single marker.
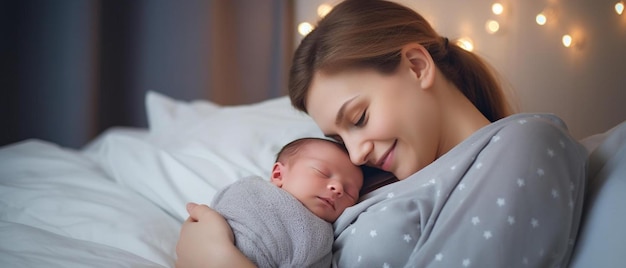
(477, 186)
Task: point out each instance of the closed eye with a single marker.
(336, 138)
(361, 120)
(321, 172)
(352, 195)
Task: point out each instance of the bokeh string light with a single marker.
(304, 28)
(465, 43)
(492, 26)
(497, 8)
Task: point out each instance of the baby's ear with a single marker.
(277, 174)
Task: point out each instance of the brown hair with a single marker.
(371, 34)
(293, 147)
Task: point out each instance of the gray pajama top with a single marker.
(510, 195)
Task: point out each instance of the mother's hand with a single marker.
(206, 240)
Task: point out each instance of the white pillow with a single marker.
(217, 145)
(241, 138)
(164, 112)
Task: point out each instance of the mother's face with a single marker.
(385, 121)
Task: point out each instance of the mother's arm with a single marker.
(206, 240)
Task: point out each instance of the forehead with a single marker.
(327, 153)
(328, 92)
(321, 150)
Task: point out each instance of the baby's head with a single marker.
(319, 174)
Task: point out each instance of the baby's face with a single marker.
(324, 179)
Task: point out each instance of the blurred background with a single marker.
(73, 68)
(77, 67)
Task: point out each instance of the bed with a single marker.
(120, 200)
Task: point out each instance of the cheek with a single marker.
(308, 185)
(383, 126)
(420, 151)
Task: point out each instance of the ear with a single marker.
(277, 174)
(420, 62)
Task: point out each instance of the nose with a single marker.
(336, 188)
(358, 150)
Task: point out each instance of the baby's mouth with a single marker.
(328, 201)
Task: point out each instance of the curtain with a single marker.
(74, 68)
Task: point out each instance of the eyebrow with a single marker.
(342, 109)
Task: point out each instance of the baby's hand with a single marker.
(202, 236)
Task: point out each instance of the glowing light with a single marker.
(323, 9)
(541, 19)
(305, 28)
(619, 8)
(465, 43)
(497, 8)
(492, 26)
(567, 40)
(547, 15)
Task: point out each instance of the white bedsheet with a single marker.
(59, 209)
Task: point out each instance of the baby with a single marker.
(289, 223)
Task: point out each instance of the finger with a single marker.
(201, 211)
(189, 219)
(190, 206)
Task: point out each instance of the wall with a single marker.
(74, 68)
(584, 85)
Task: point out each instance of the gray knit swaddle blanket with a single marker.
(272, 228)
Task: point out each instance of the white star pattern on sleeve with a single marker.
(407, 238)
(534, 222)
(466, 263)
(461, 186)
(479, 165)
(386, 265)
(521, 182)
(501, 202)
(487, 235)
(511, 220)
(475, 220)
(373, 233)
(439, 257)
(555, 194)
(390, 195)
(550, 152)
(540, 172)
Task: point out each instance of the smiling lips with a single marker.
(385, 161)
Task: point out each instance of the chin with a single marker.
(401, 175)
